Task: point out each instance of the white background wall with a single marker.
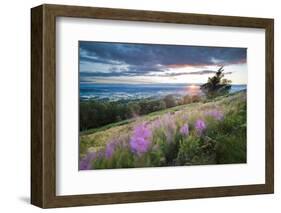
(15, 105)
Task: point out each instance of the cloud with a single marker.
(84, 75)
(202, 72)
(122, 59)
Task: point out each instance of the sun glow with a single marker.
(193, 90)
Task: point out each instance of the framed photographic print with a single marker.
(136, 106)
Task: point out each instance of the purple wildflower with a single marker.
(216, 114)
(86, 162)
(200, 126)
(109, 150)
(184, 130)
(140, 140)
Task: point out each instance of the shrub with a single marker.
(170, 101)
(216, 85)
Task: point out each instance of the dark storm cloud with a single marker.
(84, 75)
(89, 59)
(142, 59)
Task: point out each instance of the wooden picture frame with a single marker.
(43, 105)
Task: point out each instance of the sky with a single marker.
(108, 62)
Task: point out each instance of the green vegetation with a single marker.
(191, 130)
(217, 85)
(205, 132)
(96, 114)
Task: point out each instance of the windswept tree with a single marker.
(216, 85)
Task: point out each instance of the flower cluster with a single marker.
(109, 150)
(145, 136)
(184, 130)
(216, 114)
(200, 126)
(140, 140)
(86, 162)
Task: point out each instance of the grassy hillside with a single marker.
(211, 132)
